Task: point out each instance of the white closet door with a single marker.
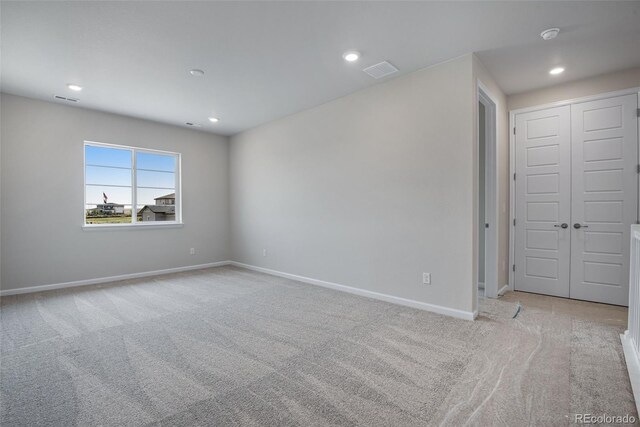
(543, 205)
(604, 197)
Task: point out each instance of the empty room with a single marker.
(319, 213)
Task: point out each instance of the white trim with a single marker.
(503, 289)
(460, 314)
(129, 147)
(512, 201)
(137, 225)
(178, 190)
(492, 208)
(579, 100)
(134, 187)
(98, 280)
(633, 366)
(512, 161)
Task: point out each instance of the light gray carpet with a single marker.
(228, 346)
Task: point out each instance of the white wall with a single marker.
(367, 191)
(576, 89)
(0, 192)
(481, 74)
(591, 86)
(481, 192)
(42, 197)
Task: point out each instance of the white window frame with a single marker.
(134, 193)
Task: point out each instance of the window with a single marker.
(130, 186)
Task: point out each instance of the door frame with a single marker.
(512, 158)
(491, 191)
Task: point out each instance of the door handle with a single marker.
(578, 226)
(563, 225)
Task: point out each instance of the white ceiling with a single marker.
(265, 60)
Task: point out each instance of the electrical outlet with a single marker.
(192, 251)
(426, 278)
(264, 252)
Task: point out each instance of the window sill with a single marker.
(138, 226)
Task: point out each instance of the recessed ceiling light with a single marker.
(214, 119)
(550, 34)
(556, 71)
(351, 56)
(74, 87)
(196, 72)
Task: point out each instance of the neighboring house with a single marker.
(157, 213)
(163, 210)
(169, 199)
(110, 209)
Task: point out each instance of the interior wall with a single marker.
(368, 191)
(480, 74)
(481, 189)
(0, 191)
(610, 82)
(586, 87)
(42, 197)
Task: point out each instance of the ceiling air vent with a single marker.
(383, 69)
(62, 98)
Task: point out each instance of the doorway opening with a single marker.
(575, 197)
(487, 214)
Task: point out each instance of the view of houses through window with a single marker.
(122, 180)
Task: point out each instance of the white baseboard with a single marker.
(504, 289)
(480, 285)
(460, 314)
(95, 281)
(633, 366)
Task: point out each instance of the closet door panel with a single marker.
(543, 186)
(604, 185)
